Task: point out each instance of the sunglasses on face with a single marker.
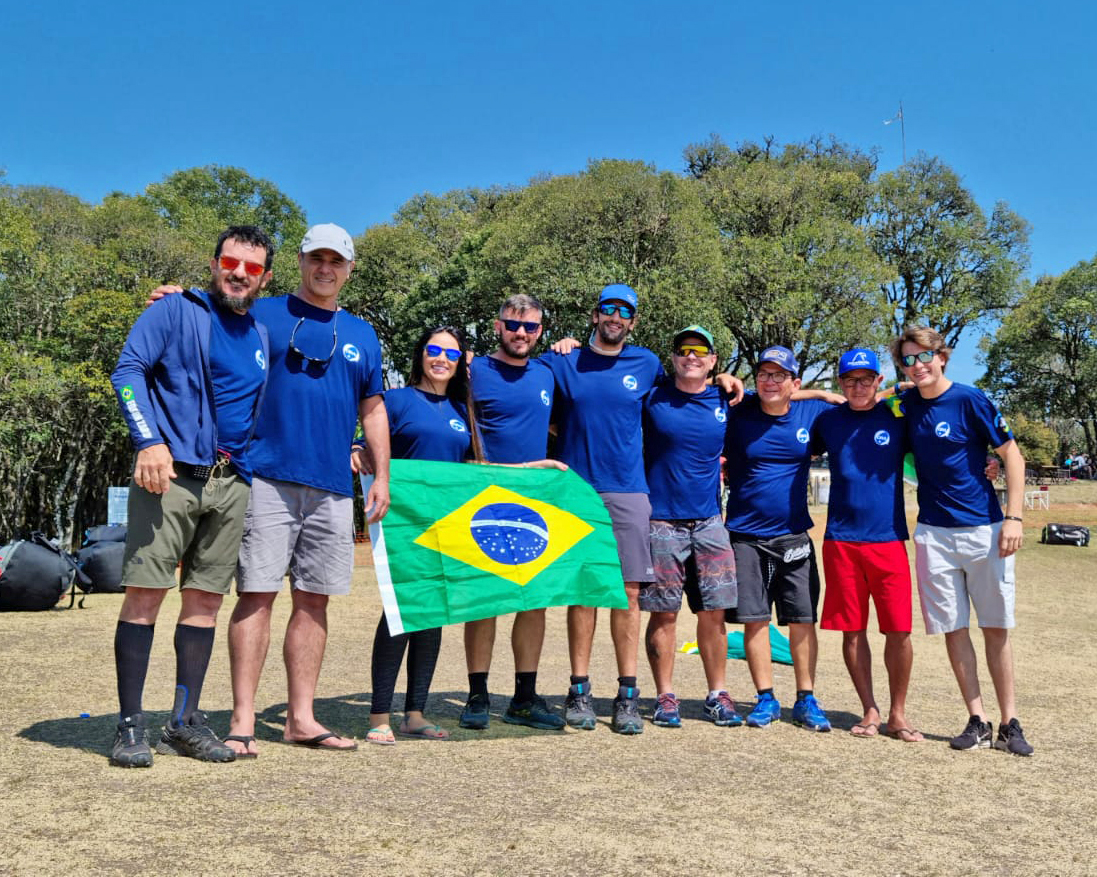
(305, 356)
(452, 353)
(697, 350)
(528, 325)
(924, 356)
(858, 382)
(608, 309)
(229, 263)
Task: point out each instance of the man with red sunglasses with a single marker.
(190, 381)
(325, 377)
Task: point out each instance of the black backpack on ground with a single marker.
(34, 574)
(101, 558)
(1065, 534)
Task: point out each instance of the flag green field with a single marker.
(462, 542)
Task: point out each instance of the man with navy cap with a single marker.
(863, 548)
(768, 456)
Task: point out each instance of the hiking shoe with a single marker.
(626, 712)
(475, 714)
(666, 711)
(1012, 739)
(720, 710)
(533, 714)
(194, 740)
(131, 743)
(976, 735)
(807, 713)
(766, 710)
(578, 710)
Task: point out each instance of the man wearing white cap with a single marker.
(863, 549)
(325, 377)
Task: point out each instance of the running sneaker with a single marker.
(131, 743)
(195, 739)
(720, 710)
(807, 713)
(666, 711)
(1012, 739)
(578, 710)
(475, 714)
(626, 712)
(766, 710)
(975, 736)
(533, 714)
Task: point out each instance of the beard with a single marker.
(510, 350)
(231, 301)
(610, 334)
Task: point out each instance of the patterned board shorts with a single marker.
(693, 557)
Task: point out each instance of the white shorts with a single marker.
(299, 529)
(959, 567)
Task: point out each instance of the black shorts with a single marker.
(781, 571)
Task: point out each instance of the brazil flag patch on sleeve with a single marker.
(462, 542)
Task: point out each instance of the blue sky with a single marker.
(355, 109)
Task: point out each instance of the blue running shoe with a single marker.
(807, 713)
(476, 713)
(720, 710)
(666, 712)
(766, 710)
(578, 709)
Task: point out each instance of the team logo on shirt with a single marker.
(942, 429)
(260, 361)
(456, 425)
(802, 436)
(351, 353)
(545, 398)
(630, 382)
(721, 415)
(882, 437)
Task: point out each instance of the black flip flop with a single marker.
(314, 743)
(247, 740)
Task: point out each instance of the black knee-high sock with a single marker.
(132, 646)
(193, 647)
(388, 652)
(422, 657)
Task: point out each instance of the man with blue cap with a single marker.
(863, 548)
(768, 456)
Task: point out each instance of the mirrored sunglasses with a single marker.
(229, 263)
(452, 353)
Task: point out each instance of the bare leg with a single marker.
(858, 658)
(759, 659)
(249, 640)
(961, 654)
(303, 652)
(141, 605)
(898, 658)
(624, 627)
(712, 643)
(479, 642)
(999, 651)
(804, 646)
(581, 623)
(659, 640)
(527, 637)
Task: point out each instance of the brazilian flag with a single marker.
(463, 541)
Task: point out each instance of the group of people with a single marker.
(243, 411)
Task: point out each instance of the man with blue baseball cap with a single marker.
(863, 548)
(768, 456)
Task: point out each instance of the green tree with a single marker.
(1043, 359)
(949, 266)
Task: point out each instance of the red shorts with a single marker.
(853, 571)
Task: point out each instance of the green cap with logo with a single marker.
(699, 331)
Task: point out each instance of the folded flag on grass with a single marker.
(462, 542)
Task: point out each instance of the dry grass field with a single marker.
(515, 801)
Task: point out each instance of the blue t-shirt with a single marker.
(683, 439)
(598, 405)
(866, 451)
(237, 371)
(513, 405)
(308, 418)
(768, 461)
(424, 426)
(949, 437)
